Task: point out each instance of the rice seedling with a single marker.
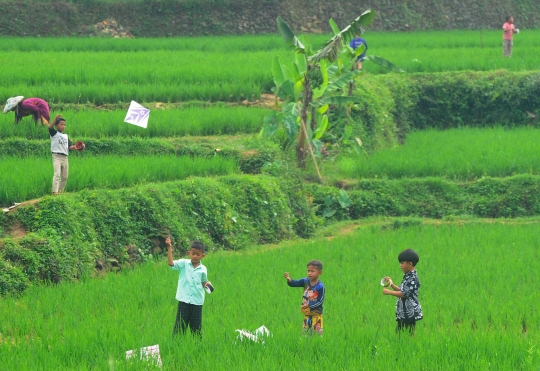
(208, 44)
(31, 177)
(461, 154)
(194, 121)
(171, 70)
(479, 312)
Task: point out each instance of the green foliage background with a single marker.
(123, 226)
(66, 236)
(217, 17)
(392, 105)
(517, 196)
(469, 327)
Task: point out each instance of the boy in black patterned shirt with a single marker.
(408, 308)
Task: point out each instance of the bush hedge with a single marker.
(250, 153)
(372, 118)
(453, 99)
(74, 235)
(393, 104)
(66, 237)
(517, 196)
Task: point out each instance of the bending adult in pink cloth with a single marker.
(36, 107)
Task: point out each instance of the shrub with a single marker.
(69, 235)
(389, 106)
(517, 196)
(454, 99)
(371, 119)
(12, 279)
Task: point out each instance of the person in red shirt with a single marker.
(36, 107)
(508, 36)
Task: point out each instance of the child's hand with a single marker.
(287, 276)
(387, 278)
(168, 241)
(53, 122)
(208, 286)
(386, 291)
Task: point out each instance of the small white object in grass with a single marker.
(257, 337)
(150, 353)
(385, 282)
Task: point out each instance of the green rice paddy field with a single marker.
(190, 120)
(29, 178)
(477, 291)
(222, 68)
(479, 278)
(458, 154)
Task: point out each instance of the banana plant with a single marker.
(310, 85)
(313, 82)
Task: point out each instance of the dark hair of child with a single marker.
(316, 263)
(60, 120)
(409, 255)
(197, 245)
(508, 18)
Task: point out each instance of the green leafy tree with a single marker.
(312, 83)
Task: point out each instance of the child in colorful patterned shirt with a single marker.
(408, 308)
(313, 297)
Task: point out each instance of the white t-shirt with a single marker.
(59, 142)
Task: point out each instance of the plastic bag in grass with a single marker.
(257, 336)
(150, 354)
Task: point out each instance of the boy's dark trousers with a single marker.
(408, 326)
(188, 315)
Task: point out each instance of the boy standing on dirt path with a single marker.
(313, 298)
(60, 147)
(192, 280)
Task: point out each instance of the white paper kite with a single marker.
(137, 115)
(150, 354)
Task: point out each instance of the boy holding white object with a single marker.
(192, 281)
(408, 308)
(508, 36)
(60, 147)
(313, 298)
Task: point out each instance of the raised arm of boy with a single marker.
(169, 251)
(287, 276)
(53, 122)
